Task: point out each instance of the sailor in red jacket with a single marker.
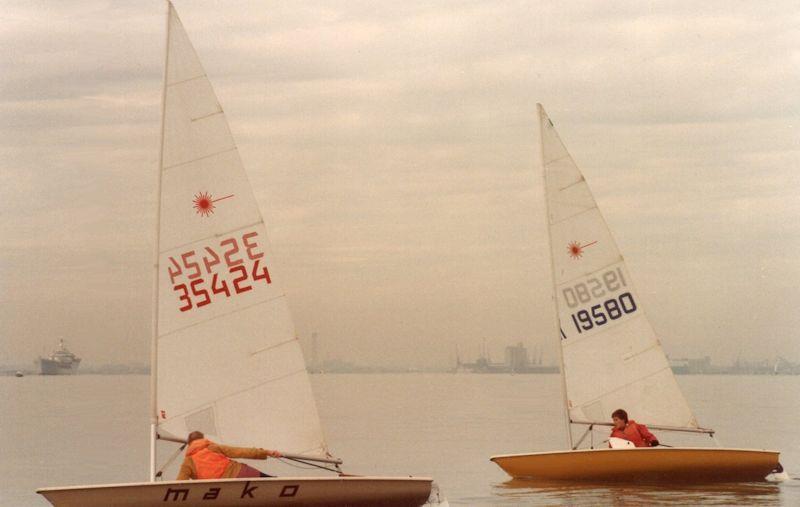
(631, 430)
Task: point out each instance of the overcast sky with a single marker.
(393, 150)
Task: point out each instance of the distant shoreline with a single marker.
(27, 373)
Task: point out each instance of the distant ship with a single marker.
(60, 362)
(516, 361)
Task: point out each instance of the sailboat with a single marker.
(225, 357)
(610, 356)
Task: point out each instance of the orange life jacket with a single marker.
(209, 464)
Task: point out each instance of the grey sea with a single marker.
(91, 429)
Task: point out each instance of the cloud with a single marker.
(392, 147)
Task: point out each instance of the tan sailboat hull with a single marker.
(306, 491)
(658, 464)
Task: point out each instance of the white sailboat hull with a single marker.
(306, 491)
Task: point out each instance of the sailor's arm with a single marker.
(647, 436)
(186, 472)
(246, 452)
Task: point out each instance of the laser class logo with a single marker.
(203, 203)
(575, 249)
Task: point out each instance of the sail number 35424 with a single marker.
(233, 269)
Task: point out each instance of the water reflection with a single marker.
(559, 493)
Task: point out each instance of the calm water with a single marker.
(93, 429)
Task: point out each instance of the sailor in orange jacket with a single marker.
(207, 460)
(631, 430)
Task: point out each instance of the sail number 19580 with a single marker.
(603, 313)
(595, 287)
(601, 289)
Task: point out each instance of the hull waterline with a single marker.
(653, 464)
(307, 491)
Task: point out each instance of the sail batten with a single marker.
(611, 357)
(577, 339)
(633, 382)
(228, 360)
(164, 335)
(222, 398)
(215, 235)
(200, 158)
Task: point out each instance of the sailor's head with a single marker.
(620, 418)
(195, 435)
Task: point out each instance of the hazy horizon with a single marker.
(393, 150)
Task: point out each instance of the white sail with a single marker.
(228, 361)
(611, 355)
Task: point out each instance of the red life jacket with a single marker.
(207, 463)
(636, 433)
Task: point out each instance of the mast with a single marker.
(156, 248)
(553, 278)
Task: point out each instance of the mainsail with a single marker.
(611, 356)
(228, 360)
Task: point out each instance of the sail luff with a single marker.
(156, 258)
(556, 323)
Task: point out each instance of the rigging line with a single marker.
(170, 460)
(310, 464)
(215, 235)
(322, 447)
(292, 465)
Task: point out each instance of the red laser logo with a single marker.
(204, 203)
(575, 249)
